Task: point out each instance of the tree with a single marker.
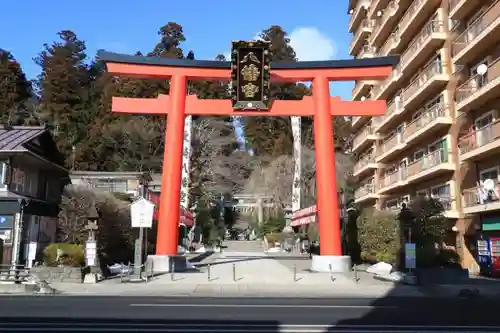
(15, 89)
(275, 178)
(379, 235)
(63, 88)
(115, 237)
(273, 136)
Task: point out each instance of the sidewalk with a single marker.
(234, 290)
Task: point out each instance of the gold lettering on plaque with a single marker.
(250, 72)
(250, 90)
(250, 56)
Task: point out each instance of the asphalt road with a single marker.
(249, 315)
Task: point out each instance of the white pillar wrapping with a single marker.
(297, 154)
(186, 161)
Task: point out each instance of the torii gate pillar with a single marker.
(320, 106)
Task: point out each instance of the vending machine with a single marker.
(484, 255)
(495, 256)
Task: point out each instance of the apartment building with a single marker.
(440, 135)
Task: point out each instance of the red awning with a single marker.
(186, 217)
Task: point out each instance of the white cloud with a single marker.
(311, 44)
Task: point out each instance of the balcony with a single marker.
(394, 109)
(389, 46)
(391, 146)
(365, 164)
(365, 137)
(432, 120)
(361, 89)
(481, 143)
(481, 35)
(365, 192)
(387, 86)
(367, 52)
(475, 201)
(430, 39)
(361, 36)
(415, 16)
(431, 80)
(479, 89)
(460, 9)
(430, 165)
(385, 22)
(358, 15)
(393, 180)
(376, 6)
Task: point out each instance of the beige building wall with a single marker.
(440, 136)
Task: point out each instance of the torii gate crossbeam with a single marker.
(321, 106)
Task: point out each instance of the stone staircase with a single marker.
(243, 246)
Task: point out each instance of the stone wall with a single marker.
(58, 274)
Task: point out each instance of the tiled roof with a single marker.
(14, 138)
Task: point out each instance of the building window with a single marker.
(443, 194)
(491, 173)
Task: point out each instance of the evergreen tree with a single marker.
(63, 88)
(273, 136)
(15, 89)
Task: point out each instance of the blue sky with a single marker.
(318, 27)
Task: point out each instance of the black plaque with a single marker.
(251, 61)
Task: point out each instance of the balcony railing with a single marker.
(392, 142)
(476, 28)
(356, 11)
(453, 4)
(364, 190)
(427, 116)
(388, 11)
(391, 108)
(388, 45)
(473, 197)
(428, 161)
(422, 37)
(409, 14)
(393, 177)
(366, 52)
(433, 69)
(478, 82)
(479, 138)
(368, 130)
(364, 161)
(365, 24)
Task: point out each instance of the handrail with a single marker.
(429, 71)
(431, 27)
(477, 27)
(477, 82)
(408, 15)
(388, 11)
(429, 115)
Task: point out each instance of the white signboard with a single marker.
(141, 213)
(410, 256)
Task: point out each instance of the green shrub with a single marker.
(72, 255)
(378, 236)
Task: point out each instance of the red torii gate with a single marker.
(320, 106)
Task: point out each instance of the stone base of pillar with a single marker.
(164, 263)
(335, 264)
